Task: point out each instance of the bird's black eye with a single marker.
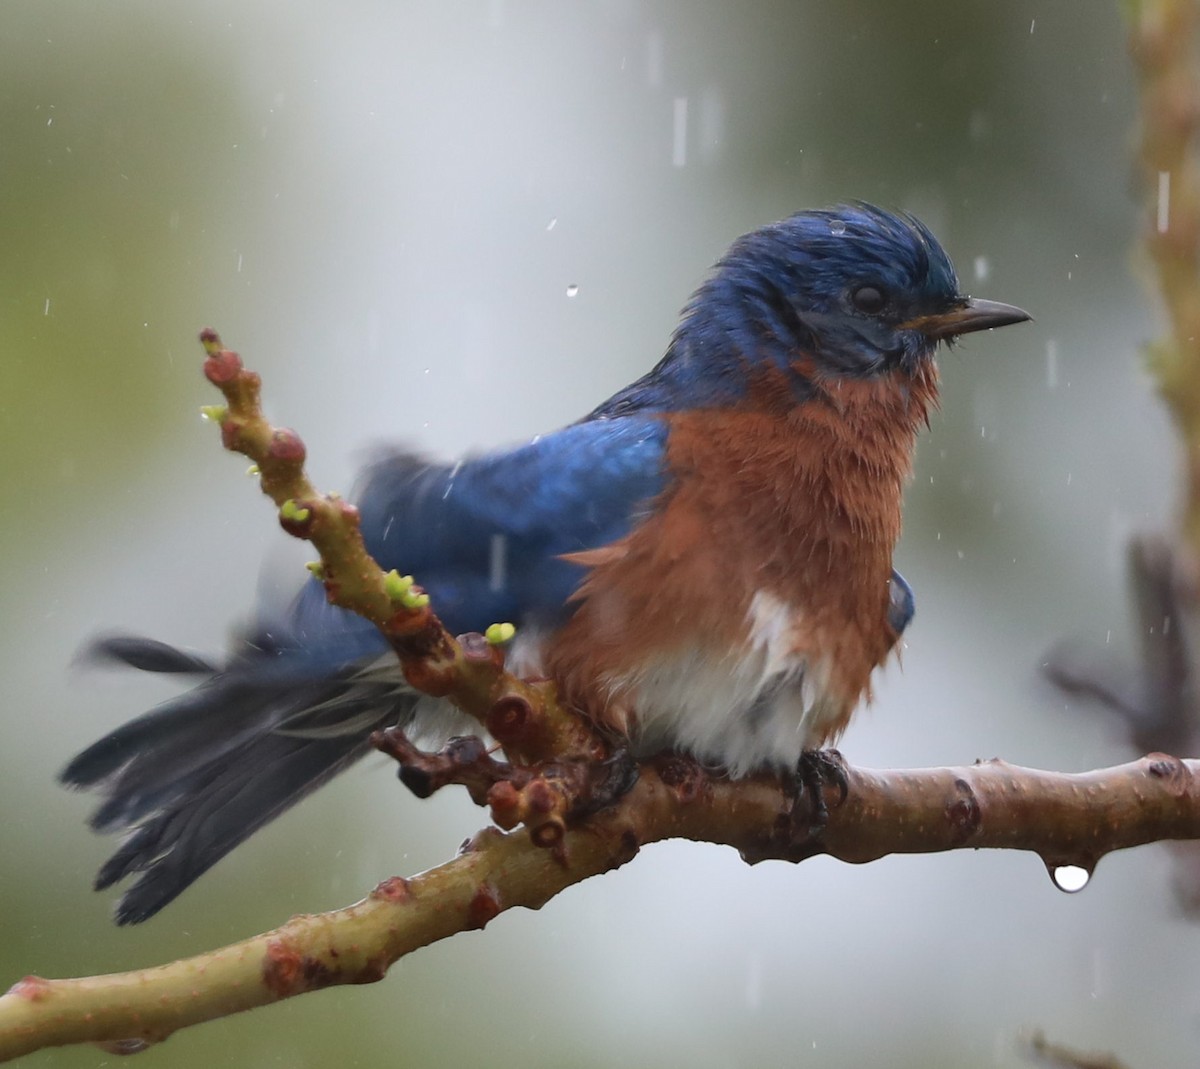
(870, 300)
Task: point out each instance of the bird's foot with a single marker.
(609, 782)
(816, 770)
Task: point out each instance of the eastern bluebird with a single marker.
(704, 562)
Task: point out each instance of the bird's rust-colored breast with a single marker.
(797, 502)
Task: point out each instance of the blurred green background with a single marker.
(383, 205)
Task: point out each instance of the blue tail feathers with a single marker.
(189, 780)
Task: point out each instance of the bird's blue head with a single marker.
(853, 291)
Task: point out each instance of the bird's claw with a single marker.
(615, 777)
(816, 770)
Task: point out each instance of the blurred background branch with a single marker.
(1164, 42)
(1157, 698)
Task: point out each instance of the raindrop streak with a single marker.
(654, 60)
(453, 475)
(572, 290)
(1051, 364)
(1070, 878)
(982, 268)
(46, 309)
(498, 562)
(679, 138)
(1164, 201)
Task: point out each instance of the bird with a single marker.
(702, 563)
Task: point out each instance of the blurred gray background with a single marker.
(384, 206)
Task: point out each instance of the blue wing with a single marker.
(485, 537)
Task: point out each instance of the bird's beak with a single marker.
(972, 314)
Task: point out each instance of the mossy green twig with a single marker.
(433, 660)
(1164, 35)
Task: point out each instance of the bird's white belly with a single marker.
(760, 704)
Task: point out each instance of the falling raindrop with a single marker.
(498, 562)
(983, 268)
(654, 60)
(679, 133)
(1164, 201)
(1051, 364)
(450, 479)
(572, 290)
(1070, 879)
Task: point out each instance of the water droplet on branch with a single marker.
(1070, 879)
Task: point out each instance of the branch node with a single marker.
(222, 365)
(484, 907)
(286, 971)
(1164, 766)
(964, 813)
(287, 447)
(480, 841)
(31, 988)
(508, 720)
(394, 889)
(682, 774)
(295, 518)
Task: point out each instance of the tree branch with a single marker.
(587, 809)
(1065, 819)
